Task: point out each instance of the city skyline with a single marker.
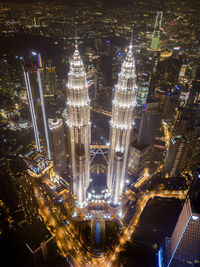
(100, 127)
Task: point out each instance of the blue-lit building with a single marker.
(183, 248)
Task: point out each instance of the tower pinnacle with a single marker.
(78, 122)
(131, 42)
(121, 126)
(76, 41)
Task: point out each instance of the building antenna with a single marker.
(76, 39)
(131, 43)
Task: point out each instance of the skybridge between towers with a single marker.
(99, 149)
(99, 146)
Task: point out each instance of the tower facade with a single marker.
(138, 157)
(121, 126)
(78, 122)
(176, 155)
(183, 248)
(156, 33)
(150, 121)
(58, 149)
(36, 103)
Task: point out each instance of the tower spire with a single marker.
(76, 41)
(78, 122)
(121, 126)
(131, 42)
(128, 66)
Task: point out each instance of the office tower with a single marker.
(151, 118)
(172, 102)
(121, 126)
(153, 79)
(49, 77)
(176, 155)
(194, 151)
(169, 68)
(138, 159)
(78, 122)
(57, 141)
(184, 244)
(36, 103)
(194, 95)
(156, 33)
(143, 89)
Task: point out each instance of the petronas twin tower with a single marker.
(79, 126)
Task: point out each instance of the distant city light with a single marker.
(119, 53)
(120, 214)
(194, 217)
(34, 53)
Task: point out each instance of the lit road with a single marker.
(102, 111)
(128, 230)
(67, 237)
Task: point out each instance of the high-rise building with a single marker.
(150, 121)
(154, 76)
(121, 126)
(156, 33)
(137, 159)
(143, 89)
(184, 245)
(176, 155)
(79, 129)
(172, 102)
(58, 148)
(36, 103)
(49, 78)
(194, 153)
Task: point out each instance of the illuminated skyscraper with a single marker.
(121, 126)
(49, 76)
(58, 145)
(176, 155)
(156, 33)
(183, 248)
(78, 121)
(150, 121)
(143, 89)
(172, 102)
(138, 159)
(36, 102)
